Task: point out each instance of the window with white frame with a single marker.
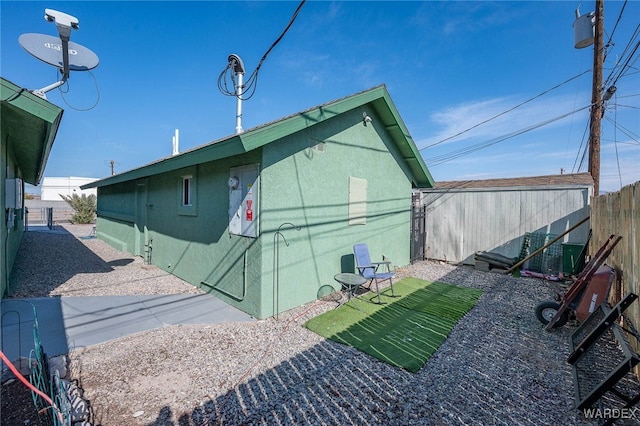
(187, 191)
(187, 188)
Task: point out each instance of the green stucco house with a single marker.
(265, 218)
(28, 125)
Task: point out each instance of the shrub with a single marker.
(84, 207)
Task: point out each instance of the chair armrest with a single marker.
(362, 268)
(386, 263)
(373, 265)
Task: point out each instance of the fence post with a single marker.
(50, 217)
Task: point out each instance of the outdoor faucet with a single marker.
(276, 264)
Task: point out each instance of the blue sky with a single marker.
(447, 65)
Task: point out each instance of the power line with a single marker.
(617, 71)
(611, 81)
(627, 106)
(615, 144)
(624, 130)
(584, 157)
(505, 112)
(437, 160)
(621, 68)
(252, 82)
(624, 68)
(628, 46)
(609, 42)
(628, 96)
(583, 142)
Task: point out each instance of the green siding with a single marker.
(12, 237)
(193, 245)
(116, 216)
(299, 184)
(28, 126)
(309, 188)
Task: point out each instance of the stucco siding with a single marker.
(117, 200)
(196, 246)
(28, 127)
(10, 237)
(116, 216)
(338, 178)
(307, 186)
(146, 218)
(118, 234)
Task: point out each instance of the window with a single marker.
(186, 190)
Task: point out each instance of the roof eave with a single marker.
(213, 151)
(259, 136)
(421, 177)
(31, 132)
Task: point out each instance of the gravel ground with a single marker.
(498, 366)
(66, 263)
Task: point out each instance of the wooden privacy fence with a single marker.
(619, 213)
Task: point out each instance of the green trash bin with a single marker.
(572, 258)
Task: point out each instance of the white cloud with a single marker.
(470, 17)
(312, 69)
(465, 119)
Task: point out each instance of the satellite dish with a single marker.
(49, 50)
(59, 52)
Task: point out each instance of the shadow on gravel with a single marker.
(46, 260)
(120, 262)
(498, 366)
(327, 384)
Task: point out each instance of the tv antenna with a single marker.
(59, 51)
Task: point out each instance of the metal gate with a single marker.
(38, 217)
(418, 232)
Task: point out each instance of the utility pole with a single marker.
(596, 98)
(112, 163)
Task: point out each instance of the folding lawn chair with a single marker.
(369, 269)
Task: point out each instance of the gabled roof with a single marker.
(378, 98)
(29, 126)
(579, 179)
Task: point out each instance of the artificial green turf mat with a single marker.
(407, 330)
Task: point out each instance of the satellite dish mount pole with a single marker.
(238, 68)
(64, 23)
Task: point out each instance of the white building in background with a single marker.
(52, 187)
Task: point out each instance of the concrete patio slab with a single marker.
(67, 323)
